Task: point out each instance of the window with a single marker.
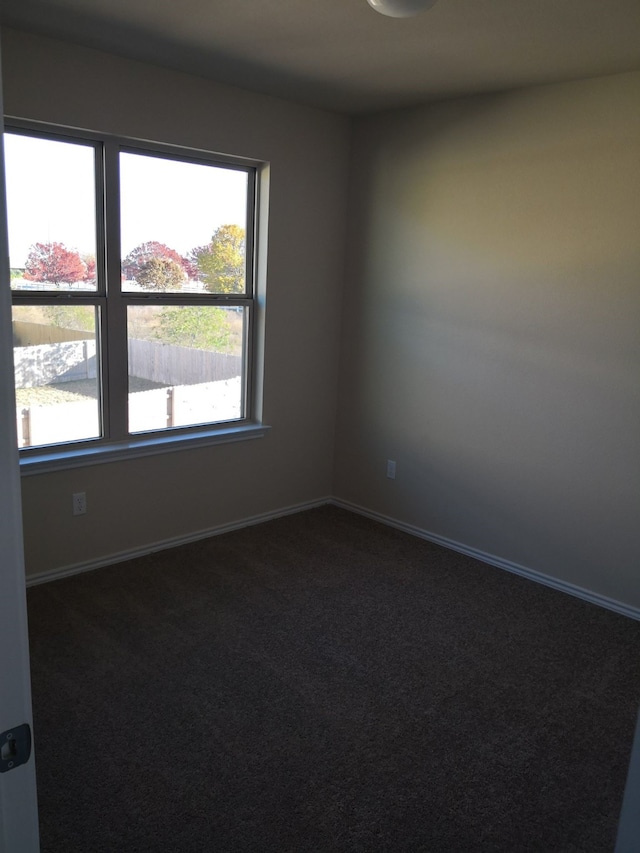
(132, 289)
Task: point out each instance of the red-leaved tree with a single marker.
(54, 263)
(90, 263)
(137, 258)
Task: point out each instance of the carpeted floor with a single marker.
(324, 683)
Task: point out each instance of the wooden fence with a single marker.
(27, 334)
(44, 354)
(172, 365)
(39, 425)
(203, 387)
(159, 408)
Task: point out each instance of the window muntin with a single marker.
(189, 321)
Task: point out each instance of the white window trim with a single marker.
(103, 450)
(62, 457)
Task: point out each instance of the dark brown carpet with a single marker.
(324, 683)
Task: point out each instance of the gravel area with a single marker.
(72, 392)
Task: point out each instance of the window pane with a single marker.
(57, 386)
(51, 211)
(186, 365)
(183, 226)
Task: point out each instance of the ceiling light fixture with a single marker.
(401, 8)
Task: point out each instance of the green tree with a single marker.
(221, 263)
(160, 274)
(197, 326)
(82, 318)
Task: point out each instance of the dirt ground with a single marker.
(73, 392)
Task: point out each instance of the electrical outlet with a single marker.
(391, 469)
(79, 502)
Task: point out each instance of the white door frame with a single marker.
(629, 824)
(18, 801)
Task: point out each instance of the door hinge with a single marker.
(15, 747)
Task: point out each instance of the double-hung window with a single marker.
(132, 282)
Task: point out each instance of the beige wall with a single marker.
(490, 324)
(492, 327)
(136, 503)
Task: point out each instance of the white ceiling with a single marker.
(341, 55)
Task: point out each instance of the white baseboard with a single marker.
(490, 559)
(162, 545)
(497, 562)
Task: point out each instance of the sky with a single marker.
(51, 198)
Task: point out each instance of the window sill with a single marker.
(61, 459)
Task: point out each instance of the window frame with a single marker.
(112, 303)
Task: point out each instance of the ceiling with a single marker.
(341, 55)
